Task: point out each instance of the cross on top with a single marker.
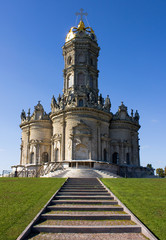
(81, 13)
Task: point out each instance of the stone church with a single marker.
(80, 130)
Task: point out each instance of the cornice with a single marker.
(27, 124)
(80, 109)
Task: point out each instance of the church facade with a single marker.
(81, 130)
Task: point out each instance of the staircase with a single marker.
(84, 209)
(81, 173)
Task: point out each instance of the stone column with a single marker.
(21, 160)
(52, 151)
(63, 139)
(35, 153)
(99, 147)
(28, 146)
(119, 153)
(90, 155)
(40, 157)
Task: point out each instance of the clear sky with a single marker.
(132, 64)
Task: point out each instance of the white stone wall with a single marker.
(36, 140)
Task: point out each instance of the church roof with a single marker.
(81, 31)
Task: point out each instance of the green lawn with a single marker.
(146, 198)
(20, 200)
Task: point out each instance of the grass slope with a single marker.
(146, 198)
(20, 200)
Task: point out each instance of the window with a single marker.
(70, 81)
(115, 157)
(127, 158)
(69, 60)
(32, 158)
(45, 157)
(80, 103)
(105, 155)
(81, 79)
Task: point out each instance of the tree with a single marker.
(165, 171)
(160, 172)
(149, 166)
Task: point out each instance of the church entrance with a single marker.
(81, 165)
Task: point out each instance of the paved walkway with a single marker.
(83, 209)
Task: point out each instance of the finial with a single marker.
(29, 112)
(39, 102)
(132, 112)
(81, 13)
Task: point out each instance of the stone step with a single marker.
(58, 197)
(83, 190)
(83, 186)
(87, 229)
(77, 222)
(90, 236)
(83, 193)
(84, 208)
(82, 216)
(104, 202)
(88, 188)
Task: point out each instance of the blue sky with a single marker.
(132, 64)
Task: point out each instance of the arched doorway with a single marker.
(128, 158)
(115, 157)
(32, 158)
(44, 157)
(105, 154)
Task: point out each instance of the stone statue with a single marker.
(59, 99)
(107, 104)
(136, 118)
(29, 113)
(23, 115)
(132, 113)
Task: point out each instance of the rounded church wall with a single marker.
(121, 134)
(40, 131)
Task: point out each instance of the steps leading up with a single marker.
(82, 173)
(84, 206)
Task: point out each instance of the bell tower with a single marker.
(81, 53)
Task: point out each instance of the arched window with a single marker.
(127, 158)
(69, 60)
(105, 155)
(115, 157)
(70, 80)
(56, 155)
(80, 103)
(81, 58)
(44, 157)
(32, 158)
(81, 79)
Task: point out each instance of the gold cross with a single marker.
(81, 13)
